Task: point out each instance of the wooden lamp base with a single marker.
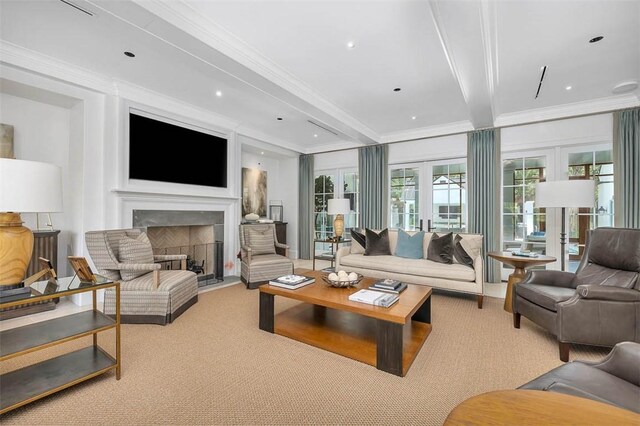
(16, 246)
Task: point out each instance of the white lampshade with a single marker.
(565, 193)
(29, 186)
(339, 206)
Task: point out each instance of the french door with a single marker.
(430, 194)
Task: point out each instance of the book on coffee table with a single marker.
(402, 287)
(388, 283)
(292, 282)
(376, 298)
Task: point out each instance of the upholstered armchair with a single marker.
(599, 304)
(147, 293)
(615, 380)
(259, 261)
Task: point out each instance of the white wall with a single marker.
(282, 184)
(42, 133)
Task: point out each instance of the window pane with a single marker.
(404, 198)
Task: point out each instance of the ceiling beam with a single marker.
(467, 36)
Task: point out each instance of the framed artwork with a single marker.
(254, 192)
(82, 269)
(6, 141)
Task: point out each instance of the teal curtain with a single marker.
(483, 177)
(626, 166)
(305, 199)
(372, 168)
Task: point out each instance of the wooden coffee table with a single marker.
(387, 338)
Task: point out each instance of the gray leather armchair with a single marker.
(615, 380)
(599, 304)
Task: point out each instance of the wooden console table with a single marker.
(534, 407)
(27, 384)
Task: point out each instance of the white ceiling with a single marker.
(460, 64)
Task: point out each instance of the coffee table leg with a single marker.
(423, 314)
(266, 312)
(389, 347)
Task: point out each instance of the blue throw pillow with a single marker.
(410, 246)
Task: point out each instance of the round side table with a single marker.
(520, 264)
(534, 407)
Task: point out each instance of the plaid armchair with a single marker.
(259, 261)
(148, 294)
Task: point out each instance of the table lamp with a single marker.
(338, 207)
(563, 194)
(25, 187)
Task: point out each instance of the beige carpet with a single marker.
(214, 366)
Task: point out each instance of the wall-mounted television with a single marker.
(164, 152)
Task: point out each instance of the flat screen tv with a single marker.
(164, 152)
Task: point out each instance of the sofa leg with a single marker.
(516, 320)
(564, 351)
(480, 299)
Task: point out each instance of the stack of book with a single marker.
(389, 285)
(376, 298)
(292, 282)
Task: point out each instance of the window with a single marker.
(405, 198)
(449, 186)
(335, 184)
(596, 165)
(523, 226)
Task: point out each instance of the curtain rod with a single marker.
(546, 120)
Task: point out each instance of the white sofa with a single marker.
(455, 276)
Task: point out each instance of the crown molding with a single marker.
(428, 132)
(185, 17)
(31, 60)
(334, 146)
(568, 110)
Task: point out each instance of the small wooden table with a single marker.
(387, 338)
(520, 263)
(534, 407)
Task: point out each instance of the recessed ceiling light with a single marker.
(315, 135)
(568, 88)
(218, 93)
(625, 87)
(413, 117)
(397, 89)
(596, 39)
(129, 54)
(351, 45)
(261, 152)
(279, 118)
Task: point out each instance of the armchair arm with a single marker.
(622, 362)
(245, 253)
(139, 266)
(181, 257)
(603, 292)
(285, 247)
(552, 278)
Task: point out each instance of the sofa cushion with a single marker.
(409, 246)
(590, 381)
(377, 243)
(419, 267)
(601, 275)
(137, 251)
(544, 295)
(358, 241)
(441, 248)
(261, 241)
(460, 255)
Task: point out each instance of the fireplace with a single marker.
(186, 232)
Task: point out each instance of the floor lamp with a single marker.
(563, 194)
(25, 187)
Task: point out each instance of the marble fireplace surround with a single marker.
(189, 232)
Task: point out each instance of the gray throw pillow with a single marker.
(441, 248)
(377, 244)
(460, 254)
(358, 242)
(135, 251)
(261, 241)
